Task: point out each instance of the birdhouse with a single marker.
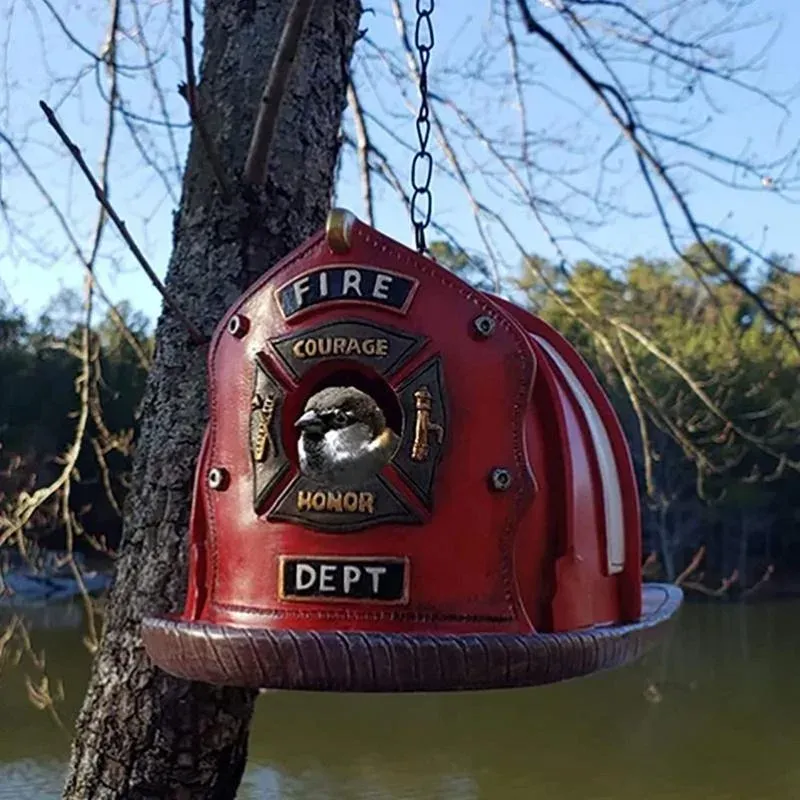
(405, 485)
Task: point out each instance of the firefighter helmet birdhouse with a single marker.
(405, 484)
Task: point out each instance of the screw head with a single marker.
(500, 479)
(484, 325)
(217, 478)
(238, 325)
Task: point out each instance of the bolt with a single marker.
(500, 479)
(217, 478)
(238, 325)
(484, 325)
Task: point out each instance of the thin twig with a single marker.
(446, 145)
(190, 95)
(40, 695)
(255, 170)
(160, 97)
(627, 121)
(363, 145)
(700, 392)
(767, 576)
(194, 332)
(116, 318)
(90, 357)
(692, 566)
(30, 503)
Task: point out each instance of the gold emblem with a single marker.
(265, 406)
(337, 501)
(423, 427)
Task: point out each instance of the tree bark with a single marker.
(141, 733)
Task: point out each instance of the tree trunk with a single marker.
(141, 733)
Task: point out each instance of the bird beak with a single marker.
(310, 422)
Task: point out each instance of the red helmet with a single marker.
(405, 484)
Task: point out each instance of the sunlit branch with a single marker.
(446, 146)
(197, 337)
(157, 88)
(189, 91)
(624, 118)
(363, 148)
(698, 390)
(114, 313)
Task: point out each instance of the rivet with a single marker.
(217, 478)
(500, 479)
(338, 228)
(238, 325)
(484, 325)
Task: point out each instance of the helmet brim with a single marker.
(369, 661)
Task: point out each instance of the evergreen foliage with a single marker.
(706, 390)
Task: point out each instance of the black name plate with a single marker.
(336, 284)
(382, 580)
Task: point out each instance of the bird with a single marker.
(344, 438)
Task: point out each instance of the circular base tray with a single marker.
(399, 662)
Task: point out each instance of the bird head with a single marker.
(343, 435)
(337, 408)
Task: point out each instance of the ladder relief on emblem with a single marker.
(269, 459)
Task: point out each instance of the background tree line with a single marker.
(40, 414)
(570, 129)
(708, 393)
(716, 459)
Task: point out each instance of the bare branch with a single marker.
(700, 392)
(190, 94)
(625, 119)
(160, 96)
(197, 337)
(255, 170)
(363, 149)
(446, 146)
(126, 333)
(103, 57)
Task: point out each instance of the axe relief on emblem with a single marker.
(264, 406)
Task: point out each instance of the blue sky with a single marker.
(41, 61)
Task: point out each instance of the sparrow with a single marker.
(344, 438)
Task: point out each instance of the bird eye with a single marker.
(341, 419)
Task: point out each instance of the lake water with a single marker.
(713, 714)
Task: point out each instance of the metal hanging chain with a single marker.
(422, 165)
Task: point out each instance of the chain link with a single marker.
(422, 165)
